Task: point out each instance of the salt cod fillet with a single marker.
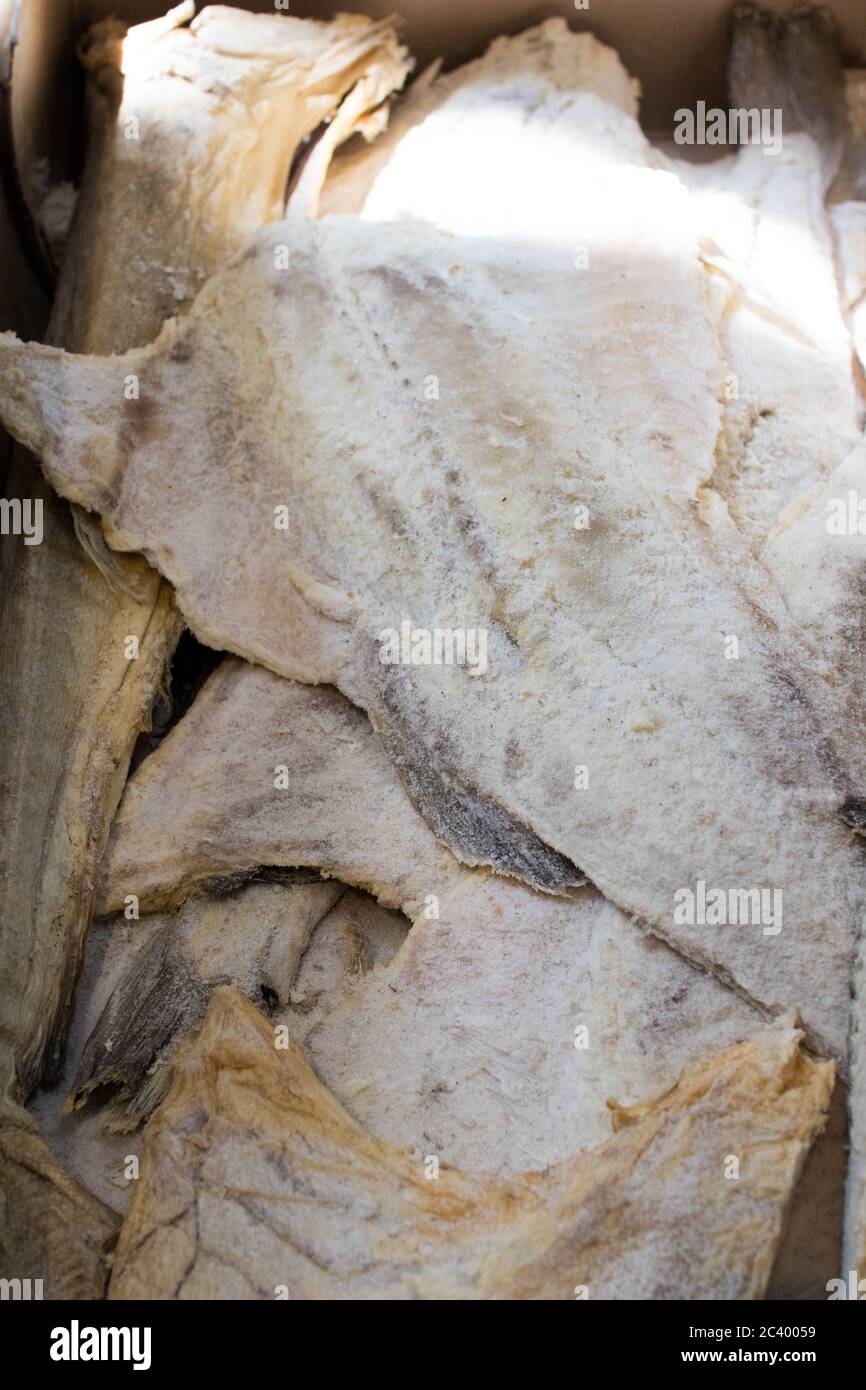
(769, 238)
(783, 331)
(252, 937)
(522, 70)
(495, 1036)
(176, 177)
(469, 149)
(169, 91)
(781, 239)
(608, 646)
(254, 942)
(264, 772)
(765, 231)
(508, 1017)
(257, 1185)
(188, 142)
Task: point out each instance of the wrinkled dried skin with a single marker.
(254, 941)
(465, 1045)
(256, 1183)
(606, 645)
(467, 1039)
(164, 209)
(346, 943)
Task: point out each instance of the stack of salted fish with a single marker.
(499, 893)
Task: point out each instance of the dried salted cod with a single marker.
(263, 772)
(508, 1017)
(299, 947)
(645, 647)
(256, 1183)
(522, 69)
(356, 936)
(209, 170)
(252, 938)
(448, 159)
(214, 170)
(792, 412)
(543, 105)
(813, 550)
(497, 1034)
(232, 98)
(507, 1020)
(163, 974)
(816, 554)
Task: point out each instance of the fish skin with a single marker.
(152, 202)
(465, 1043)
(255, 942)
(500, 975)
(155, 214)
(254, 1183)
(419, 938)
(581, 624)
